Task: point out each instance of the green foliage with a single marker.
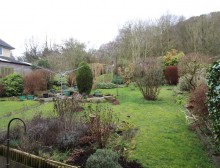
(84, 78)
(41, 63)
(214, 99)
(103, 158)
(58, 78)
(172, 57)
(117, 79)
(13, 85)
(105, 85)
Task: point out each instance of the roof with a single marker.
(13, 61)
(6, 45)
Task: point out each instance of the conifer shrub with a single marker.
(103, 158)
(84, 78)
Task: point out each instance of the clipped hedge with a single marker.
(214, 99)
(103, 85)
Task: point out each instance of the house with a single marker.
(5, 49)
(9, 64)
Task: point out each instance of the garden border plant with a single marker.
(213, 100)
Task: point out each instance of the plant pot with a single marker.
(22, 97)
(45, 95)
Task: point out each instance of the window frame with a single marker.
(1, 51)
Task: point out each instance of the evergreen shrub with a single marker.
(214, 99)
(103, 158)
(84, 78)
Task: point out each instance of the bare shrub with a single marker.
(148, 75)
(101, 123)
(2, 90)
(66, 110)
(198, 102)
(192, 67)
(36, 81)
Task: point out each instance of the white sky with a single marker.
(94, 22)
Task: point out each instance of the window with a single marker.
(1, 51)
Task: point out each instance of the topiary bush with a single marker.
(213, 96)
(103, 158)
(84, 78)
(13, 85)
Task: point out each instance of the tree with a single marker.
(32, 51)
(74, 52)
(84, 78)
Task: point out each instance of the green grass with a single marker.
(13, 106)
(163, 139)
(25, 110)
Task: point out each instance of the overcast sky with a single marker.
(94, 22)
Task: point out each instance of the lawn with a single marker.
(163, 139)
(22, 109)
